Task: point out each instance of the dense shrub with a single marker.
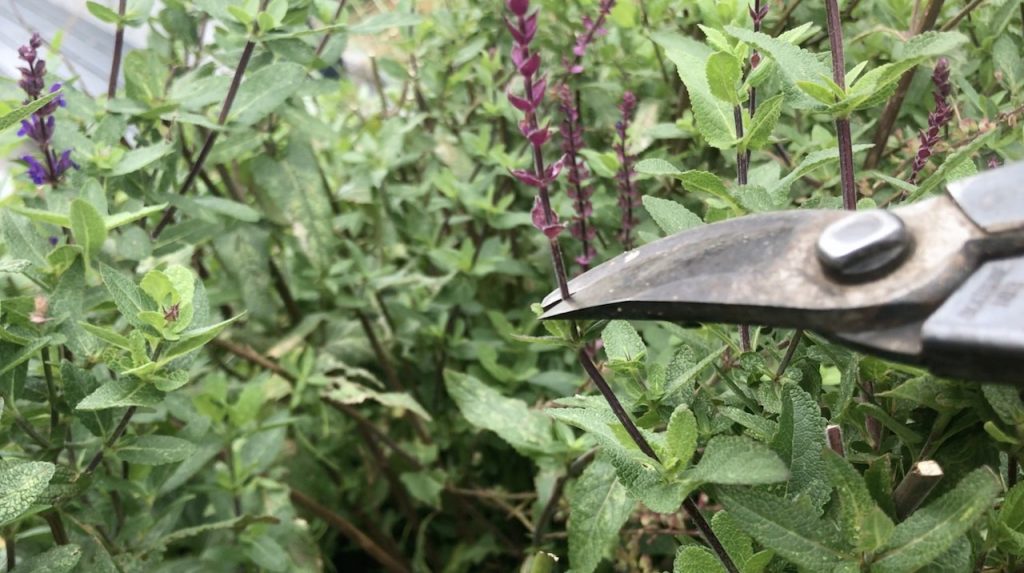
(268, 308)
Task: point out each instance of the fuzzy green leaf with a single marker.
(128, 297)
(799, 442)
(20, 484)
(681, 435)
(347, 392)
(524, 429)
(790, 529)
(13, 118)
(88, 227)
(622, 343)
(194, 339)
(599, 507)
(59, 559)
(264, 90)
(861, 520)
(738, 460)
(794, 63)
(714, 117)
(696, 559)
(121, 393)
(141, 157)
(932, 530)
(155, 450)
(670, 216)
(763, 123)
(724, 72)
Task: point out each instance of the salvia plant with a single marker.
(270, 302)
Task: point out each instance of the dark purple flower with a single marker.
(519, 7)
(629, 197)
(939, 117)
(40, 127)
(537, 214)
(36, 171)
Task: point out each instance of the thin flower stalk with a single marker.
(843, 135)
(938, 118)
(629, 196)
(42, 124)
(580, 188)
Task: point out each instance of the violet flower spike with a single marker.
(591, 29)
(580, 189)
(939, 117)
(629, 197)
(41, 125)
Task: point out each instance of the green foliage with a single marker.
(326, 354)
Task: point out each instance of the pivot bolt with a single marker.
(863, 246)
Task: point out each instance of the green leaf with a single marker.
(861, 520)
(709, 184)
(810, 163)
(152, 450)
(799, 442)
(20, 485)
(24, 353)
(193, 340)
(107, 335)
(817, 91)
(21, 240)
(42, 216)
(265, 90)
(122, 393)
(347, 392)
(13, 118)
(622, 343)
(59, 559)
(928, 45)
(724, 72)
(790, 529)
(426, 486)
(932, 530)
(119, 219)
(128, 298)
(696, 559)
(939, 394)
(229, 208)
(656, 166)
(714, 117)
(763, 123)
(670, 216)
(794, 63)
(524, 429)
(384, 21)
(88, 227)
(598, 508)
(140, 158)
(681, 435)
(738, 460)
(239, 523)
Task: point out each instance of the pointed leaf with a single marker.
(598, 508)
(763, 123)
(738, 460)
(724, 71)
(20, 484)
(670, 216)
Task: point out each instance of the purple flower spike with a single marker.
(629, 197)
(580, 189)
(40, 127)
(591, 29)
(936, 119)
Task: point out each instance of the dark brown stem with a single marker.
(53, 519)
(211, 137)
(966, 11)
(843, 136)
(115, 62)
(616, 406)
(118, 432)
(281, 286)
(51, 390)
(887, 121)
(393, 564)
(256, 358)
(702, 525)
(9, 545)
(742, 168)
(915, 487)
(327, 35)
(790, 351)
(29, 430)
(1011, 471)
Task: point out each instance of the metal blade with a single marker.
(763, 269)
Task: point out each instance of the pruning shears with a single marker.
(939, 283)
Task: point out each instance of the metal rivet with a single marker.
(863, 245)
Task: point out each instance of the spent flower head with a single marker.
(592, 28)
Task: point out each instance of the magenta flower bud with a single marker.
(531, 65)
(518, 7)
(539, 137)
(521, 104)
(527, 178)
